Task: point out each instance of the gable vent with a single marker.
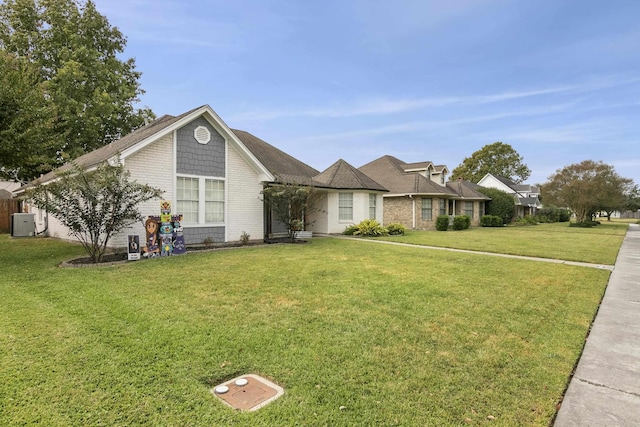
(202, 135)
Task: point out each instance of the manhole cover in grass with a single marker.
(247, 392)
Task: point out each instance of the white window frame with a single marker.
(202, 200)
(345, 210)
(372, 206)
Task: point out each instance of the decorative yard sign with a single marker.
(133, 251)
(164, 233)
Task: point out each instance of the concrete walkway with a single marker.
(466, 251)
(605, 389)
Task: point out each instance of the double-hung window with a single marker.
(427, 211)
(372, 206)
(345, 206)
(200, 200)
(468, 209)
(443, 207)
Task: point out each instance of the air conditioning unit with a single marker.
(23, 225)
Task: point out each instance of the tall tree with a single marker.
(87, 92)
(587, 188)
(497, 159)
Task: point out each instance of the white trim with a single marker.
(217, 123)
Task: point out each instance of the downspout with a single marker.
(413, 212)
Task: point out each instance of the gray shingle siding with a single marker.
(194, 158)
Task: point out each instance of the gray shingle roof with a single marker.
(283, 166)
(390, 172)
(466, 190)
(341, 175)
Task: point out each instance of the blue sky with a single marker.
(421, 80)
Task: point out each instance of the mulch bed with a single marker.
(117, 258)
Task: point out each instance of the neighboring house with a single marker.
(527, 196)
(418, 193)
(214, 176)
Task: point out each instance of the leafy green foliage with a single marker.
(552, 214)
(396, 229)
(371, 228)
(93, 205)
(442, 223)
(289, 203)
(491, 221)
(60, 66)
(525, 220)
(498, 159)
(587, 188)
(502, 204)
(461, 222)
(350, 229)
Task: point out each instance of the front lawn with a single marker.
(598, 245)
(355, 334)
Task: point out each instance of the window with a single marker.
(442, 178)
(443, 207)
(426, 209)
(345, 206)
(200, 200)
(372, 206)
(187, 196)
(468, 209)
(214, 201)
(480, 209)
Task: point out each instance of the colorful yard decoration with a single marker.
(164, 233)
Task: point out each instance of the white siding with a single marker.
(244, 203)
(152, 165)
(320, 217)
(489, 181)
(360, 211)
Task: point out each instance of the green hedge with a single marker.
(491, 221)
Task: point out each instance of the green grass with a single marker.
(598, 245)
(397, 336)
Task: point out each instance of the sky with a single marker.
(421, 80)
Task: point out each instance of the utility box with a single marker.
(23, 225)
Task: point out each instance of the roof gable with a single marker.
(390, 172)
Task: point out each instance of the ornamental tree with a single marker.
(93, 205)
(587, 188)
(290, 203)
(498, 159)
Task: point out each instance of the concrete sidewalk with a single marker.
(605, 389)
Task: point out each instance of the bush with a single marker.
(350, 230)
(526, 220)
(553, 215)
(491, 221)
(370, 227)
(396, 229)
(461, 222)
(442, 223)
(584, 224)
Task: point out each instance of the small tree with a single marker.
(498, 159)
(93, 205)
(289, 203)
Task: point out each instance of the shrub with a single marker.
(551, 214)
(349, 230)
(442, 223)
(526, 220)
(584, 224)
(461, 222)
(491, 221)
(244, 238)
(370, 227)
(396, 229)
